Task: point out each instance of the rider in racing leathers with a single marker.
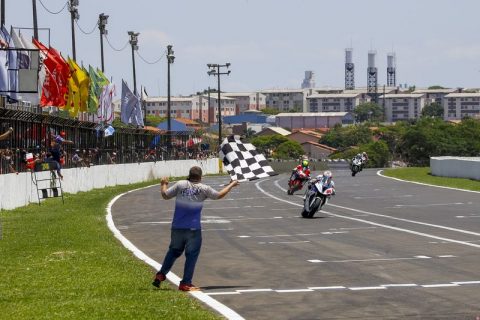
(302, 171)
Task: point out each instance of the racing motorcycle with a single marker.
(316, 196)
(295, 183)
(356, 166)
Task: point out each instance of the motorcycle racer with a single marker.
(302, 171)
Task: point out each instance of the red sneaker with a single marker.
(159, 277)
(188, 287)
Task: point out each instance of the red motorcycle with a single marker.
(295, 182)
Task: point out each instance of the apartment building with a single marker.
(436, 95)
(195, 108)
(403, 106)
(457, 106)
(335, 102)
(285, 100)
(247, 101)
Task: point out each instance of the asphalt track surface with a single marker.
(380, 249)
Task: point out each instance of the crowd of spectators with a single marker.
(63, 151)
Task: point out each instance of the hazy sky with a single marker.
(270, 43)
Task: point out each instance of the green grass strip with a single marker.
(62, 262)
(423, 175)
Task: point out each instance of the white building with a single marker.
(436, 95)
(193, 108)
(247, 101)
(403, 106)
(287, 99)
(335, 102)
(457, 106)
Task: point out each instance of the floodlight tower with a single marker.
(391, 70)
(372, 76)
(349, 70)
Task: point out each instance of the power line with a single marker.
(115, 49)
(153, 62)
(84, 32)
(52, 12)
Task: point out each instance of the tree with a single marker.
(435, 87)
(270, 111)
(267, 144)
(433, 109)
(368, 111)
(289, 150)
(344, 137)
(153, 121)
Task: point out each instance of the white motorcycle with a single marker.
(316, 196)
(356, 166)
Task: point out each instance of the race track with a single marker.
(380, 249)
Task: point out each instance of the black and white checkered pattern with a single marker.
(242, 161)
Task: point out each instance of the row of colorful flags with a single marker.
(62, 83)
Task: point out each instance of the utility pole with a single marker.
(102, 26)
(208, 112)
(134, 44)
(72, 7)
(35, 22)
(215, 71)
(3, 13)
(170, 60)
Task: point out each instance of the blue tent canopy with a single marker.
(176, 126)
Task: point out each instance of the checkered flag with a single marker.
(242, 161)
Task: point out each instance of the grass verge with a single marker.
(423, 175)
(62, 262)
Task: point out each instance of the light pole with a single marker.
(102, 26)
(72, 7)
(170, 60)
(215, 71)
(35, 24)
(2, 18)
(134, 44)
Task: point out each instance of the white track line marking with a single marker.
(284, 242)
(426, 205)
(374, 223)
(466, 282)
(328, 288)
(394, 285)
(384, 197)
(254, 290)
(214, 304)
(368, 260)
(463, 217)
(293, 290)
(424, 184)
(367, 288)
(333, 288)
(440, 285)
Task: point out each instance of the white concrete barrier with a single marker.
(456, 167)
(18, 190)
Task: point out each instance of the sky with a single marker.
(269, 43)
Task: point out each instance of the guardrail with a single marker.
(456, 167)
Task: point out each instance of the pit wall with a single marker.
(456, 167)
(18, 190)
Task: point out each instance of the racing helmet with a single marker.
(364, 154)
(328, 175)
(305, 163)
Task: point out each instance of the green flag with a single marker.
(94, 88)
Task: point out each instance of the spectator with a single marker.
(6, 158)
(56, 165)
(6, 134)
(186, 233)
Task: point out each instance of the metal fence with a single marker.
(34, 132)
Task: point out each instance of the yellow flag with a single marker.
(73, 99)
(78, 89)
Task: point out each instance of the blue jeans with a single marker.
(181, 240)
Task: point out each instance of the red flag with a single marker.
(57, 74)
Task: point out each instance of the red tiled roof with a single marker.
(321, 146)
